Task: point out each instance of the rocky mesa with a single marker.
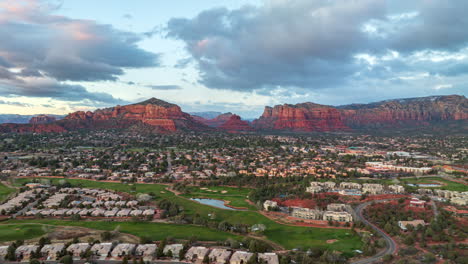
(307, 117)
(236, 124)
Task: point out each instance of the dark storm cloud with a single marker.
(440, 25)
(313, 44)
(165, 87)
(51, 49)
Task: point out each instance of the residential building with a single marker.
(77, 249)
(404, 224)
(146, 251)
(174, 249)
(269, 205)
(52, 251)
(122, 250)
(196, 253)
(25, 252)
(269, 258)
(337, 216)
(240, 257)
(101, 250)
(306, 213)
(219, 255)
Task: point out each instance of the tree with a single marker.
(206, 259)
(11, 256)
(106, 236)
(34, 261)
(66, 260)
(387, 257)
(125, 260)
(253, 259)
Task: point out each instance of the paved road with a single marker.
(391, 245)
(434, 208)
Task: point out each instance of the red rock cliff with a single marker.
(235, 124)
(304, 117)
(412, 111)
(42, 119)
(153, 112)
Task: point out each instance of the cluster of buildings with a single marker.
(454, 197)
(352, 188)
(384, 166)
(85, 202)
(147, 252)
(18, 202)
(335, 212)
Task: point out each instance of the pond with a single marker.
(425, 185)
(213, 202)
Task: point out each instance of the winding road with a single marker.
(391, 244)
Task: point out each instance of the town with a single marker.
(332, 185)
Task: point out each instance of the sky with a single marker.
(237, 56)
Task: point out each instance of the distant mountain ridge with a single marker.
(206, 115)
(23, 119)
(157, 116)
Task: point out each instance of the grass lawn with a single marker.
(287, 236)
(4, 191)
(19, 231)
(449, 185)
(235, 196)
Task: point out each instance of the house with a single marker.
(123, 250)
(240, 257)
(174, 249)
(124, 212)
(270, 205)
(314, 189)
(269, 258)
(462, 201)
(350, 185)
(404, 224)
(101, 250)
(415, 202)
(146, 251)
(372, 188)
(219, 255)
(196, 253)
(336, 207)
(77, 249)
(24, 252)
(52, 251)
(396, 188)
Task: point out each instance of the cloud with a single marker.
(2, 102)
(56, 49)
(165, 87)
(314, 44)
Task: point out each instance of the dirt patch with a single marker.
(63, 234)
(331, 241)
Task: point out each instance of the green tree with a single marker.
(66, 259)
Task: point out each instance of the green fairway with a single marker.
(5, 191)
(447, 185)
(236, 196)
(287, 236)
(20, 232)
